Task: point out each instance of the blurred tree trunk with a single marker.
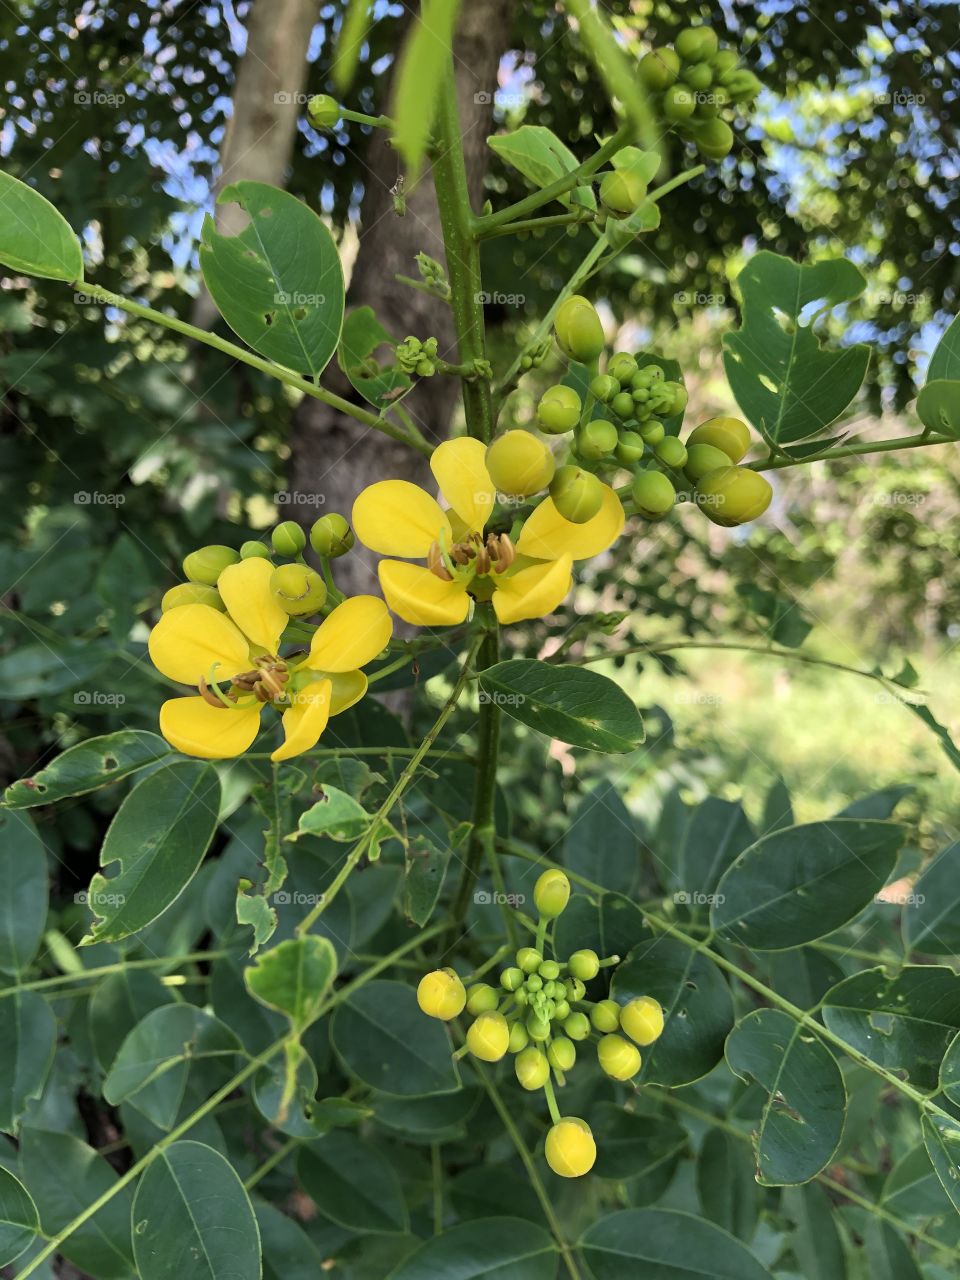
(334, 456)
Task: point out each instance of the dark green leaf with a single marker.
(777, 808)
(726, 1185)
(120, 1002)
(35, 238)
(644, 1149)
(878, 804)
(486, 1249)
(23, 891)
(351, 1183)
(28, 1038)
(912, 1188)
(942, 1140)
(931, 916)
(601, 843)
(86, 766)
(803, 976)
(662, 1244)
(889, 1257)
(19, 1221)
(426, 866)
(294, 978)
(613, 925)
(717, 833)
(816, 1242)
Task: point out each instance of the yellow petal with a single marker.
(354, 633)
(533, 592)
(464, 481)
(196, 728)
(348, 688)
(304, 722)
(546, 535)
(397, 518)
(418, 596)
(189, 639)
(245, 590)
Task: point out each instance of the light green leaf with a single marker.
(28, 1038)
(353, 32)
(419, 79)
(662, 1244)
(336, 815)
(541, 157)
(570, 703)
(486, 1249)
(938, 407)
(617, 70)
(35, 238)
(601, 842)
(279, 283)
(362, 335)
(88, 765)
(787, 385)
(941, 1138)
(351, 1183)
(931, 918)
(726, 1186)
(158, 838)
(19, 1221)
(253, 909)
(802, 1119)
(803, 882)
(945, 361)
(192, 1219)
(294, 978)
(24, 895)
(386, 1040)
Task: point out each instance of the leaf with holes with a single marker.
(380, 385)
(294, 978)
(802, 1119)
(785, 382)
(87, 766)
(279, 282)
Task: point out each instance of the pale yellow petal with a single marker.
(304, 722)
(196, 728)
(397, 518)
(354, 633)
(245, 590)
(189, 639)
(461, 472)
(348, 688)
(533, 592)
(546, 535)
(418, 596)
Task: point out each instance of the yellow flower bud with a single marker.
(727, 434)
(298, 591)
(519, 464)
(642, 1020)
(532, 1068)
(551, 893)
(192, 593)
(618, 1057)
(570, 1148)
(733, 495)
(441, 994)
(488, 1037)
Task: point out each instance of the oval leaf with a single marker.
(362, 335)
(942, 1141)
(537, 153)
(294, 978)
(24, 894)
(487, 1248)
(931, 918)
(86, 766)
(644, 1149)
(717, 834)
(728, 1191)
(601, 843)
(19, 1220)
(28, 1036)
(662, 1244)
(34, 237)
(351, 1183)
(938, 407)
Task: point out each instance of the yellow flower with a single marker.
(397, 518)
(195, 644)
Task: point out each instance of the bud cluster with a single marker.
(416, 357)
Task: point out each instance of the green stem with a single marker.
(551, 1097)
(544, 223)
(271, 1162)
(83, 975)
(436, 1170)
(855, 450)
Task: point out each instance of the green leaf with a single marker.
(35, 238)
(942, 1140)
(28, 1038)
(802, 1120)
(192, 1219)
(903, 1021)
(644, 1149)
(362, 335)
(888, 1256)
(601, 843)
(485, 1249)
(950, 1071)
(279, 283)
(158, 838)
(419, 79)
(787, 385)
(931, 917)
(120, 1002)
(351, 1183)
(613, 925)
(777, 809)
(336, 815)
(717, 834)
(151, 1068)
(288, 1252)
(662, 1244)
(426, 866)
(804, 882)
(86, 766)
(570, 703)
(816, 1241)
(294, 978)
(878, 804)
(65, 1177)
(542, 158)
(23, 891)
(696, 1003)
(912, 1188)
(945, 361)
(19, 1220)
(353, 32)
(253, 909)
(616, 69)
(938, 407)
(386, 1041)
(441, 1117)
(726, 1186)
(803, 976)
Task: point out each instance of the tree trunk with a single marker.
(335, 457)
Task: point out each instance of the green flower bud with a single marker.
(481, 998)
(324, 112)
(519, 1039)
(553, 989)
(671, 452)
(521, 996)
(331, 536)
(441, 994)
(519, 463)
(605, 1016)
(596, 439)
(714, 139)
(529, 959)
(696, 44)
(578, 329)
(577, 1026)
(511, 979)
(653, 494)
(532, 1068)
(562, 1010)
(622, 405)
(630, 448)
(618, 1057)
(549, 970)
(207, 564)
(488, 1037)
(538, 1027)
(254, 551)
(584, 964)
(559, 410)
(298, 590)
(621, 191)
(561, 1054)
(575, 989)
(652, 433)
(551, 893)
(698, 75)
(534, 982)
(622, 366)
(549, 1009)
(192, 593)
(577, 494)
(642, 1020)
(702, 458)
(741, 84)
(679, 102)
(725, 60)
(659, 68)
(288, 538)
(604, 387)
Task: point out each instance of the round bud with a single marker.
(679, 102)
(577, 1026)
(578, 329)
(559, 410)
(618, 1057)
(488, 1037)
(653, 494)
(570, 1149)
(698, 75)
(742, 85)
(671, 452)
(604, 387)
(562, 1010)
(630, 448)
(298, 591)
(696, 44)
(729, 434)
(207, 564)
(511, 979)
(192, 593)
(518, 1038)
(538, 1027)
(521, 995)
(714, 139)
(519, 463)
(702, 458)
(481, 998)
(553, 989)
(725, 60)
(596, 439)
(254, 551)
(584, 964)
(642, 1019)
(605, 1016)
(652, 432)
(622, 366)
(733, 495)
(288, 538)
(441, 994)
(575, 989)
(551, 893)
(621, 191)
(622, 405)
(658, 69)
(532, 1068)
(534, 982)
(577, 494)
(549, 970)
(331, 536)
(324, 112)
(529, 959)
(561, 1054)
